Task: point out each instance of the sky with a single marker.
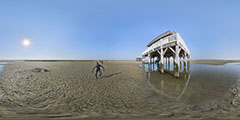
(116, 29)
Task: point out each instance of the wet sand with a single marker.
(213, 62)
(68, 90)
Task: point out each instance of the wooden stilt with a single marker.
(162, 61)
(180, 63)
(185, 61)
(188, 64)
(169, 62)
(177, 59)
(149, 58)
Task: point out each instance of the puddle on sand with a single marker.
(1, 66)
(202, 84)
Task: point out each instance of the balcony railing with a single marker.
(160, 42)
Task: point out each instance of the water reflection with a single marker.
(200, 84)
(1, 66)
(171, 84)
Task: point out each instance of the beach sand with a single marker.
(68, 90)
(213, 62)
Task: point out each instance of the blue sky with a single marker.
(116, 29)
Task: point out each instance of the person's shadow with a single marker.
(108, 76)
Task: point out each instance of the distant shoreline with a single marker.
(213, 62)
(208, 62)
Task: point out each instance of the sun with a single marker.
(26, 42)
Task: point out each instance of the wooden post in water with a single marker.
(149, 58)
(180, 62)
(185, 62)
(169, 63)
(177, 50)
(188, 64)
(162, 60)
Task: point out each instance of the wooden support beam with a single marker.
(177, 60)
(172, 50)
(161, 55)
(149, 58)
(184, 49)
(161, 52)
(179, 50)
(165, 51)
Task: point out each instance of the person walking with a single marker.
(98, 69)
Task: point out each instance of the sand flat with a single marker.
(213, 62)
(69, 90)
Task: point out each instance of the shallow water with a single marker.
(1, 66)
(202, 84)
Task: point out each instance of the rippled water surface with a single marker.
(201, 84)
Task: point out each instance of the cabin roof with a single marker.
(168, 33)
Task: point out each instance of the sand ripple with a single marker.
(70, 90)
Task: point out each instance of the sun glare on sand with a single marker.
(26, 42)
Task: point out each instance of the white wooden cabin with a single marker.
(164, 46)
